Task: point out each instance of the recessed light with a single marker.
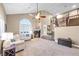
(74, 6)
(65, 6)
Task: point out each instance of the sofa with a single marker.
(20, 44)
(0, 46)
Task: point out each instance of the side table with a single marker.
(9, 51)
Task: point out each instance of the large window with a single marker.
(1, 26)
(25, 28)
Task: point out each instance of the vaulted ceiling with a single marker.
(53, 8)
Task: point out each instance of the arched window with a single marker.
(25, 28)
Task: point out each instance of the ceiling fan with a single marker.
(37, 15)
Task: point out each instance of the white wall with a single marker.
(64, 32)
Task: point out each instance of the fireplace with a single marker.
(37, 33)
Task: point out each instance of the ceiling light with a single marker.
(59, 16)
(74, 6)
(37, 16)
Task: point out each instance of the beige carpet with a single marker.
(42, 47)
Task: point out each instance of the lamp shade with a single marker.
(7, 36)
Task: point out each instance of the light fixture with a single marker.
(6, 40)
(7, 36)
(59, 16)
(37, 16)
(74, 6)
(38, 13)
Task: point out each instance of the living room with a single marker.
(37, 29)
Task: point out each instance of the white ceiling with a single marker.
(54, 8)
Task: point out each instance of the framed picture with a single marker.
(5, 27)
